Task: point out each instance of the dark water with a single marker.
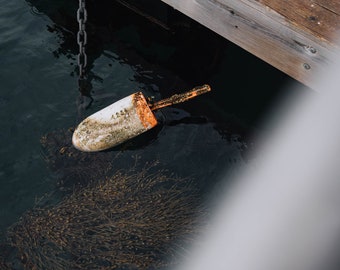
(204, 138)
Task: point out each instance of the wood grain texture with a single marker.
(319, 18)
(331, 5)
(285, 34)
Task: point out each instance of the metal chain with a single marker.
(82, 38)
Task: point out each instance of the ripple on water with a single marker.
(12, 22)
(3, 101)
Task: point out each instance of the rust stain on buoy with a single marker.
(143, 111)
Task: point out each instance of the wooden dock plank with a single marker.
(297, 37)
(320, 18)
(331, 5)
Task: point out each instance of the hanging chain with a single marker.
(82, 38)
(83, 83)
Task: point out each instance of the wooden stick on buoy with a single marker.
(123, 120)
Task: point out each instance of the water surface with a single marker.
(203, 139)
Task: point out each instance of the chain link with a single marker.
(82, 38)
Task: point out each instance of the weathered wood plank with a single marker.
(320, 18)
(331, 5)
(285, 38)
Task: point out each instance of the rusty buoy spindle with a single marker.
(123, 120)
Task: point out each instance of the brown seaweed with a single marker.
(138, 220)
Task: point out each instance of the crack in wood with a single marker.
(330, 9)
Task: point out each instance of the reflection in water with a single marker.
(145, 46)
(169, 60)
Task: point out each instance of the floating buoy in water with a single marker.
(123, 120)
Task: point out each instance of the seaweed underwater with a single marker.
(132, 219)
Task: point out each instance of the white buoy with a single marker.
(123, 120)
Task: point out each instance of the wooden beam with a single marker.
(297, 37)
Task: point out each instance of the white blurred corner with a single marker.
(285, 213)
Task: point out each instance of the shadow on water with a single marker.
(169, 52)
